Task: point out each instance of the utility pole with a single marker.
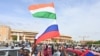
(83, 39)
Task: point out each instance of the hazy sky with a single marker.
(76, 18)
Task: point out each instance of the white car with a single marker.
(7, 51)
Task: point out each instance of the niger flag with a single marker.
(43, 11)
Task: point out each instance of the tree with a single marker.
(89, 42)
(97, 42)
(14, 37)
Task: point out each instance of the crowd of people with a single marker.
(24, 52)
(54, 49)
(15, 43)
(62, 50)
(44, 50)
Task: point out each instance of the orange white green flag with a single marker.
(43, 11)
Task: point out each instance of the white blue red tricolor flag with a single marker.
(90, 53)
(51, 31)
(45, 11)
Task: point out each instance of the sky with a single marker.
(75, 18)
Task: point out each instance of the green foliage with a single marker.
(89, 43)
(14, 37)
(54, 40)
(95, 42)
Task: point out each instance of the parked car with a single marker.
(7, 51)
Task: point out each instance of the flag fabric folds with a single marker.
(43, 11)
(89, 54)
(50, 32)
(92, 53)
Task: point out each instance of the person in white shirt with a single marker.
(56, 53)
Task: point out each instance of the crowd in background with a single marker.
(64, 50)
(16, 44)
(53, 49)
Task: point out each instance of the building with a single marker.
(4, 33)
(8, 34)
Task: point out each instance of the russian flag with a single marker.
(50, 32)
(93, 53)
(89, 54)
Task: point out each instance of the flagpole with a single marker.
(56, 22)
(33, 46)
(33, 10)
